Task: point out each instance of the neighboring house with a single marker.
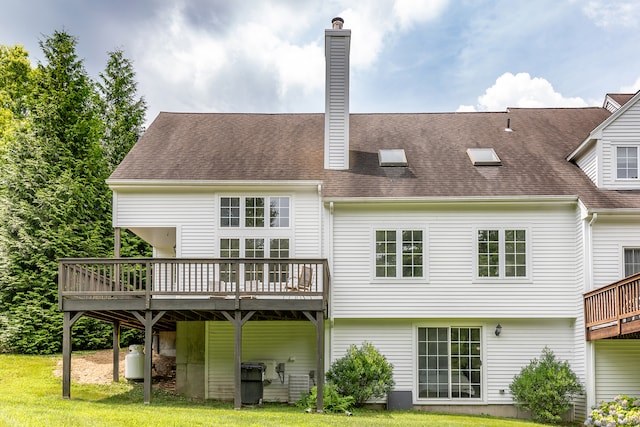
(459, 244)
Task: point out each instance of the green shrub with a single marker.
(332, 401)
(623, 411)
(545, 388)
(362, 373)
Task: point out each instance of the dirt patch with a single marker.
(97, 368)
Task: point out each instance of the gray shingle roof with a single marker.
(261, 147)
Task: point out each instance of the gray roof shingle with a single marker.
(266, 147)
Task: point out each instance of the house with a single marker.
(459, 244)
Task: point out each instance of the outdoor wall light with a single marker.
(498, 329)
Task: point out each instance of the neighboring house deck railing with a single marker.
(124, 278)
(613, 310)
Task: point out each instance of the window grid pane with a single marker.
(465, 363)
(627, 162)
(279, 212)
(253, 248)
(254, 212)
(229, 212)
(433, 363)
(412, 253)
(278, 248)
(631, 261)
(385, 253)
(229, 248)
(515, 253)
(488, 253)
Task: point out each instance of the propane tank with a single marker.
(134, 363)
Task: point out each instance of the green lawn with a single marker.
(30, 395)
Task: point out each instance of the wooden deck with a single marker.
(613, 310)
(192, 289)
(153, 294)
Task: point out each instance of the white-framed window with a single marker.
(255, 212)
(627, 162)
(631, 261)
(399, 253)
(449, 362)
(502, 253)
(254, 247)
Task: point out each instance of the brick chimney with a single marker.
(336, 117)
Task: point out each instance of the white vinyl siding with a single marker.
(195, 217)
(617, 368)
(451, 289)
(588, 162)
(502, 357)
(289, 342)
(610, 237)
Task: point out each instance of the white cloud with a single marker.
(632, 88)
(606, 13)
(410, 12)
(520, 90)
(263, 57)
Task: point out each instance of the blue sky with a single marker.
(406, 55)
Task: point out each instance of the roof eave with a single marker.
(597, 132)
(139, 184)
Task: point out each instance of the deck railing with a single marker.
(99, 278)
(608, 309)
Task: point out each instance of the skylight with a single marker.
(392, 157)
(483, 157)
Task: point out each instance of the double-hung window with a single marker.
(399, 253)
(627, 162)
(255, 212)
(502, 253)
(449, 363)
(631, 261)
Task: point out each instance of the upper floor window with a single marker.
(254, 212)
(502, 253)
(631, 261)
(399, 253)
(627, 162)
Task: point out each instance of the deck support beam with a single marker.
(69, 318)
(238, 321)
(148, 321)
(318, 321)
(116, 351)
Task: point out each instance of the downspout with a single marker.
(331, 320)
(590, 353)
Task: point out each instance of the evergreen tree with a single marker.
(123, 112)
(56, 203)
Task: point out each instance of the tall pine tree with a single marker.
(56, 202)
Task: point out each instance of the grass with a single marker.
(30, 395)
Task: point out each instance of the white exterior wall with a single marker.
(290, 342)
(617, 368)
(503, 357)
(588, 162)
(450, 289)
(610, 236)
(625, 130)
(195, 215)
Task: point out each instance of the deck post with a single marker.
(148, 337)
(116, 242)
(116, 351)
(320, 359)
(237, 372)
(68, 319)
(237, 320)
